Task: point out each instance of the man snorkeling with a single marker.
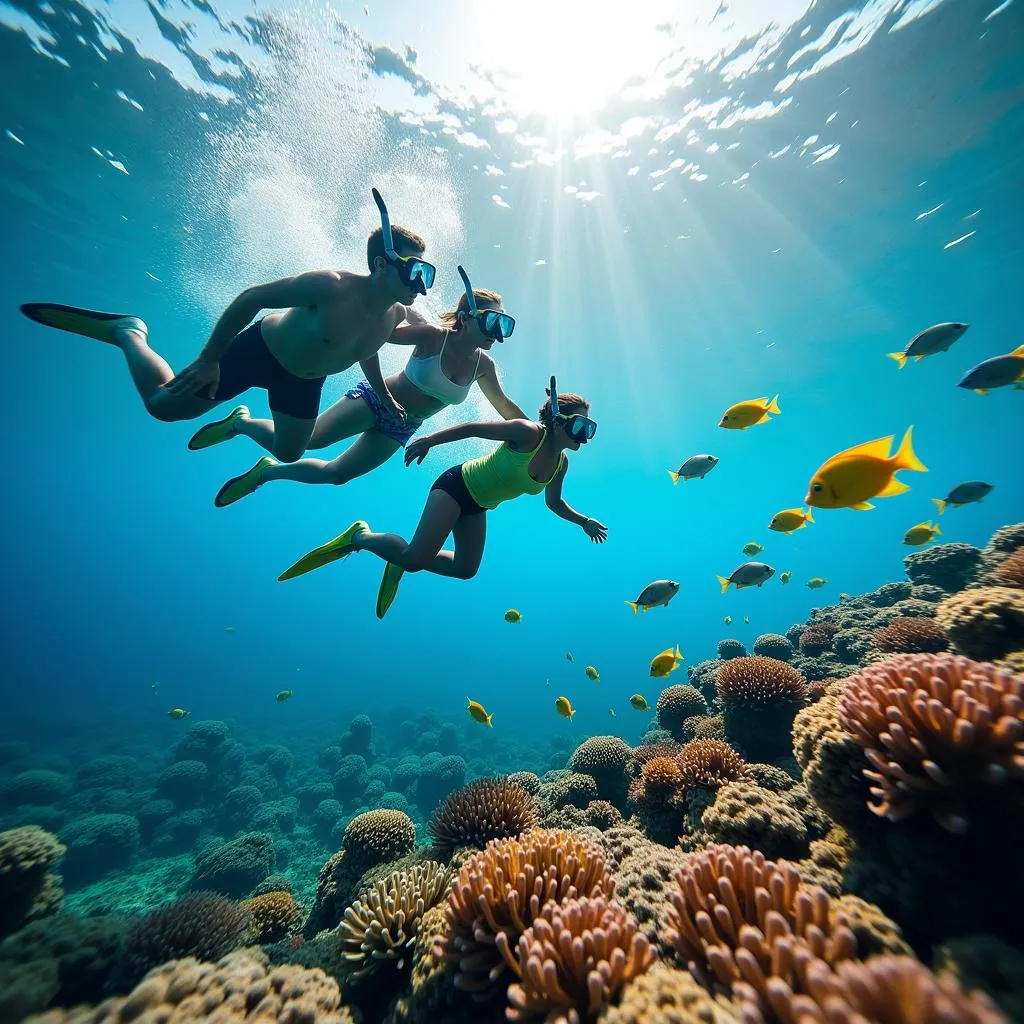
(330, 320)
(443, 366)
(530, 459)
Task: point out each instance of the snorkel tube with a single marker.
(413, 272)
(385, 225)
(470, 297)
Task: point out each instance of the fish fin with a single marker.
(1018, 351)
(863, 506)
(936, 530)
(918, 359)
(773, 406)
(900, 357)
(905, 457)
(879, 449)
(679, 654)
(675, 476)
(634, 606)
(981, 391)
(489, 723)
(940, 504)
(808, 518)
(724, 582)
(892, 488)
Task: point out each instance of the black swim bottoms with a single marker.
(451, 482)
(248, 363)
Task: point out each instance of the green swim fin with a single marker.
(241, 486)
(220, 430)
(334, 549)
(89, 322)
(388, 588)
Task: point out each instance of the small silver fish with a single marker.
(749, 574)
(655, 594)
(997, 372)
(695, 466)
(938, 338)
(963, 494)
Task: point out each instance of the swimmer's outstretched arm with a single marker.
(522, 434)
(595, 530)
(490, 387)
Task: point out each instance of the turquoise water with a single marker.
(773, 202)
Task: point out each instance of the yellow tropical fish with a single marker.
(477, 713)
(284, 695)
(564, 708)
(746, 414)
(568, 657)
(816, 583)
(849, 479)
(666, 663)
(728, 620)
(790, 519)
(513, 616)
(786, 576)
(592, 673)
(639, 702)
(921, 534)
(753, 548)
(178, 713)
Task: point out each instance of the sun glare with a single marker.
(566, 57)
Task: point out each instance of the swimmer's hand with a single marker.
(416, 451)
(393, 406)
(199, 378)
(596, 531)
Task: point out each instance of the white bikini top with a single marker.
(426, 374)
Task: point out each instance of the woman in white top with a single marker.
(445, 363)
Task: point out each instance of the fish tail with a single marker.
(489, 723)
(634, 606)
(900, 357)
(773, 405)
(905, 457)
(678, 654)
(675, 476)
(935, 529)
(940, 504)
(808, 518)
(1018, 351)
(724, 582)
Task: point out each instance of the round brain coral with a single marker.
(574, 958)
(376, 837)
(911, 634)
(380, 927)
(27, 889)
(949, 566)
(678, 702)
(729, 649)
(758, 682)
(604, 759)
(660, 779)
(272, 915)
(486, 809)
(528, 780)
(817, 638)
(938, 731)
(986, 623)
(502, 889)
(773, 645)
(710, 763)
(735, 915)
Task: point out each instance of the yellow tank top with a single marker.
(504, 474)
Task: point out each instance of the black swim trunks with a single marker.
(248, 363)
(452, 483)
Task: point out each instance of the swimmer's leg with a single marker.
(364, 455)
(346, 418)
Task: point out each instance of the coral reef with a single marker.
(773, 645)
(28, 888)
(235, 868)
(484, 810)
(676, 703)
(729, 649)
(911, 634)
(948, 566)
(272, 915)
(603, 758)
(986, 623)
(97, 845)
(817, 638)
(938, 730)
(665, 995)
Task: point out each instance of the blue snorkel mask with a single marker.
(579, 427)
(417, 273)
(496, 325)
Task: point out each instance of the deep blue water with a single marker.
(730, 253)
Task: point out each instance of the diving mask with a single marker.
(413, 271)
(579, 427)
(493, 323)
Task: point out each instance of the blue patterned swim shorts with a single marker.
(390, 426)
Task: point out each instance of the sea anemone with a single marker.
(938, 730)
(573, 959)
(710, 763)
(911, 634)
(501, 891)
(486, 809)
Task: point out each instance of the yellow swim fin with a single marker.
(389, 589)
(339, 547)
(220, 430)
(863, 506)
(241, 486)
(893, 487)
(90, 323)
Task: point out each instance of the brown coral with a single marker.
(272, 915)
(604, 759)
(28, 889)
(817, 638)
(659, 780)
(737, 919)
(572, 961)
(381, 925)
(237, 989)
(986, 623)
(676, 703)
(486, 809)
(757, 682)
(710, 763)
(1010, 572)
(666, 995)
(937, 730)
(639, 756)
(375, 837)
(911, 634)
(501, 891)
(747, 814)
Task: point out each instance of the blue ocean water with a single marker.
(750, 200)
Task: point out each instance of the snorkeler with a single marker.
(531, 459)
(445, 363)
(331, 319)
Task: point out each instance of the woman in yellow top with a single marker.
(531, 459)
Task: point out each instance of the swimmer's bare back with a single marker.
(344, 326)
